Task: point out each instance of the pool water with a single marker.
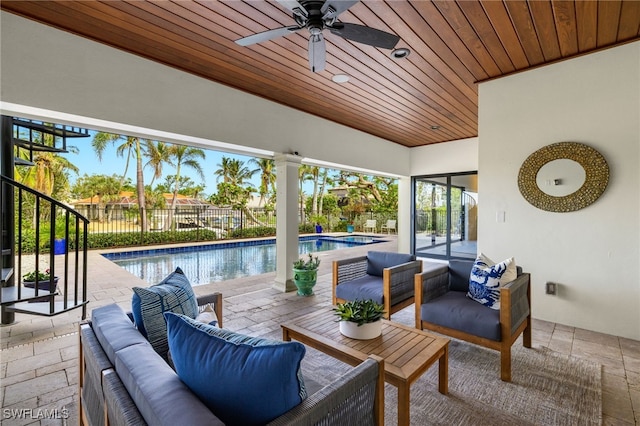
(216, 262)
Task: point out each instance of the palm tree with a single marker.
(179, 156)
(131, 146)
(267, 177)
(233, 171)
(48, 175)
(158, 154)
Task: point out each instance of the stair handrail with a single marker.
(80, 221)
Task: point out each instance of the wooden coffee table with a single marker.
(407, 352)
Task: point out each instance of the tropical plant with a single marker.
(179, 156)
(308, 264)
(359, 311)
(266, 167)
(158, 154)
(131, 146)
(40, 276)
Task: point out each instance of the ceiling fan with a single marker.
(317, 15)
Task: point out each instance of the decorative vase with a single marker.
(305, 280)
(350, 228)
(43, 287)
(366, 331)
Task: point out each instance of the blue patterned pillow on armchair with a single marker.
(487, 277)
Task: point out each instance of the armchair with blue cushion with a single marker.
(442, 305)
(385, 277)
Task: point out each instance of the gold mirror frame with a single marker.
(595, 182)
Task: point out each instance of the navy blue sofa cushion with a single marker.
(378, 260)
(459, 273)
(159, 394)
(455, 310)
(363, 288)
(243, 384)
(114, 330)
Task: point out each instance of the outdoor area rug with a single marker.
(547, 388)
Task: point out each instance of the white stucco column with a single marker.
(404, 214)
(286, 219)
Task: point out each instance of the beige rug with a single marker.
(547, 389)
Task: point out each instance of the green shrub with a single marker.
(260, 231)
(307, 228)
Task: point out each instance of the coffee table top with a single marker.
(407, 351)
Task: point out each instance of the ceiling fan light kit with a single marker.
(318, 15)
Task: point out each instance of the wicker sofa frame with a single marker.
(357, 397)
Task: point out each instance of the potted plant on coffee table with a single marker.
(305, 274)
(360, 319)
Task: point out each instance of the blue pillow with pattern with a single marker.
(173, 294)
(243, 380)
(487, 277)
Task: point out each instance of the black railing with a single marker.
(45, 231)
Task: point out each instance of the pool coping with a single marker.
(127, 252)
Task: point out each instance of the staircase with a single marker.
(56, 242)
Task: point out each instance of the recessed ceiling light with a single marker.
(340, 78)
(435, 127)
(400, 53)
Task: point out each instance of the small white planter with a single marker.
(364, 332)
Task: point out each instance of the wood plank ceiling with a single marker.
(429, 97)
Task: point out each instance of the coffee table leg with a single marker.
(443, 370)
(403, 404)
(285, 335)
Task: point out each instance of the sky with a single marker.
(88, 163)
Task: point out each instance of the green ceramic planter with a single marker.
(305, 280)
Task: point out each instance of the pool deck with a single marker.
(39, 355)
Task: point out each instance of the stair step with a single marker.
(60, 131)
(43, 308)
(33, 146)
(5, 275)
(22, 162)
(10, 295)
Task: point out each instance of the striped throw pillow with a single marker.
(173, 294)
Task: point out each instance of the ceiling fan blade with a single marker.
(332, 8)
(317, 53)
(365, 35)
(292, 5)
(267, 35)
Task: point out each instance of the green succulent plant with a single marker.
(307, 264)
(359, 311)
(41, 276)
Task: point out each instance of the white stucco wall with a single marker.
(448, 157)
(53, 70)
(594, 252)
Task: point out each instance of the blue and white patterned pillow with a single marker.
(173, 294)
(486, 278)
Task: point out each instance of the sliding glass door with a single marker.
(445, 216)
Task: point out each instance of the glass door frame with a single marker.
(414, 216)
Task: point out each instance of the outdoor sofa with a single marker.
(124, 381)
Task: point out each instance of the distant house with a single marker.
(95, 208)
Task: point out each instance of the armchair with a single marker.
(389, 226)
(387, 278)
(442, 306)
(371, 224)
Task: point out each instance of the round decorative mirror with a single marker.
(563, 177)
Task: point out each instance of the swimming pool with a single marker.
(218, 262)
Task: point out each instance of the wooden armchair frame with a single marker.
(401, 275)
(515, 313)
